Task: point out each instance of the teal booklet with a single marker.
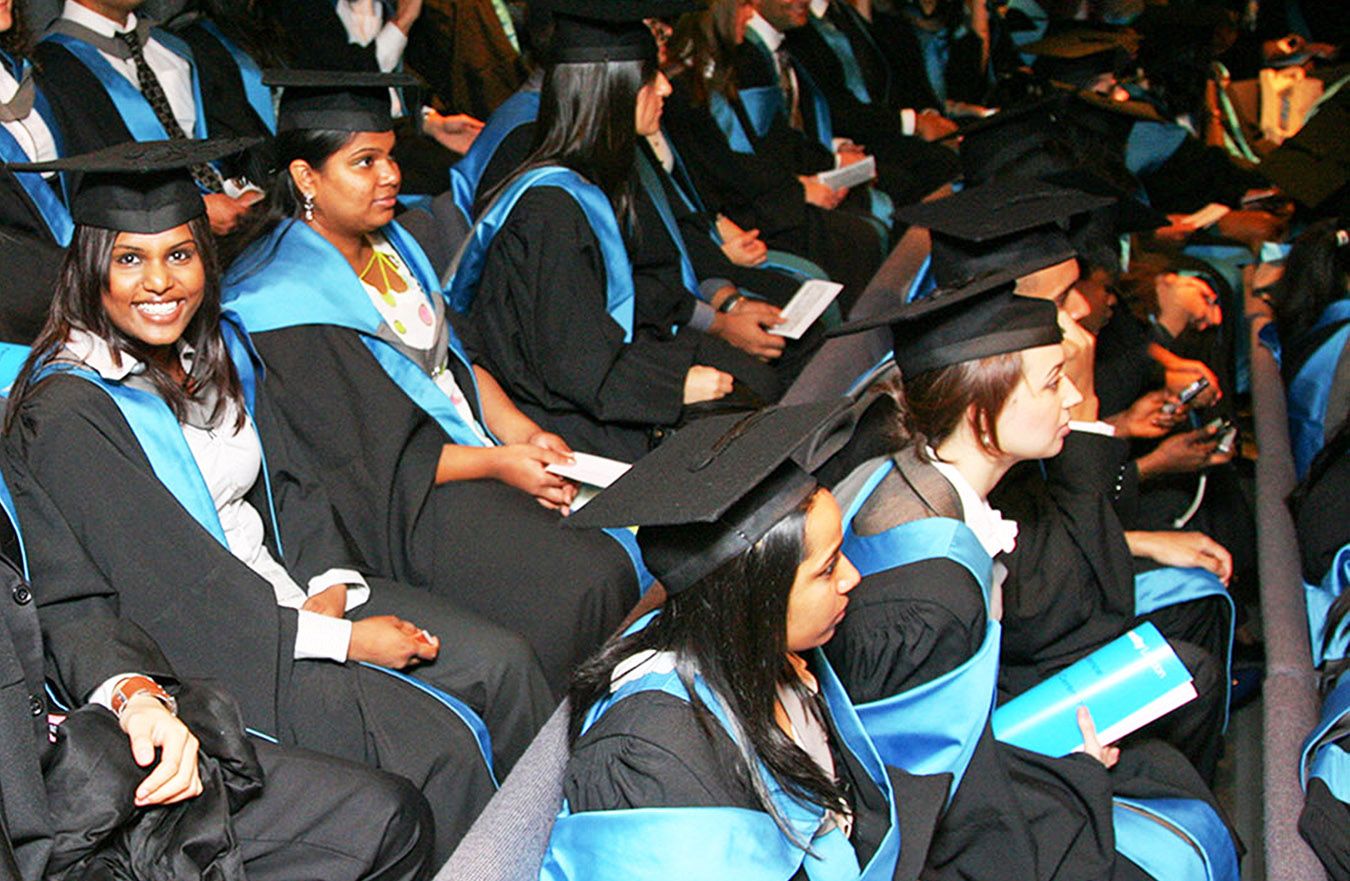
(1125, 684)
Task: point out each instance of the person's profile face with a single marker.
(356, 189)
(651, 99)
(1035, 419)
(824, 578)
(155, 285)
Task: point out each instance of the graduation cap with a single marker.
(587, 31)
(337, 100)
(977, 320)
(1129, 214)
(1313, 167)
(718, 485)
(1012, 224)
(140, 186)
(1078, 57)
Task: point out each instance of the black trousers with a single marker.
(328, 820)
(366, 716)
(490, 668)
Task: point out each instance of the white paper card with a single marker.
(812, 298)
(591, 470)
(1207, 216)
(850, 175)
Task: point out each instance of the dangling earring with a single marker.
(308, 207)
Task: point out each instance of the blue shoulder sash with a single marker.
(294, 277)
(49, 207)
(1151, 144)
(1324, 752)
(466, 174)
(1319, 598)
(259, 96)
(1175, 839)
(650, 178)
(12, 358)
(131, 105)
(1310, 389)
(599, 213)
(729, 121)
(654, 844)
(934, 727)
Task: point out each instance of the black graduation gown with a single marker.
(908, 167)
(1124, 369)
(482, 544)
(965, 78)
(538, 324)
(128, 549)
(306, 800)
(1070, 588)
(1016, 813)
(761, 192)
(650, 751)
(31, 257)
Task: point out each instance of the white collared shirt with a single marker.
(173, 72)
(230, 462)
(996, 535)
(32, 133)
(364, 23)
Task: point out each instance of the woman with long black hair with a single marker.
(152, 483)
(546, 280)
(438, 477)
(713, 740)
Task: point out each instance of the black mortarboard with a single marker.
(1129, 214)
(995, 141)
(1313, 167)
(1078, 57)
(140, 186)
(977, 320)
(714, 488)
(1011, 224)
(336, 100)
(589, 31)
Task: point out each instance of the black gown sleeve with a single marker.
(542, 330)
(106, 539)
(318, 39)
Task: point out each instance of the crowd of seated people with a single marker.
(305, 539)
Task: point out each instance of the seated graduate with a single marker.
(34, 223)
(712, 740)
(136, 380)
(546, 279)
(138, 768)
(985, 385)
(683, 281)
(112, 77)
(437, 477)
(372, 36)
(1071, 589)
(791, 212)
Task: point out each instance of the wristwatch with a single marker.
(134, 685)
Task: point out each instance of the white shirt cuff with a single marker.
(389, 45)
(1102, 428)
(103, 694)
(357, 589)
(908, 120)
(319, 637)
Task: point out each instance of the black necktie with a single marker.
(206, 177)
(786, 83)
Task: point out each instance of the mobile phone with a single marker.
(1187, 395)
(1227, 438)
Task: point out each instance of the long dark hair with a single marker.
(251, 24)
(586, 123)
(77, 304)
(730, 628)
(17, 41)
(701, 51)
(283, 200)
(1314, 277)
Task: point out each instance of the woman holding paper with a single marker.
(439, 479)
(985, 386)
